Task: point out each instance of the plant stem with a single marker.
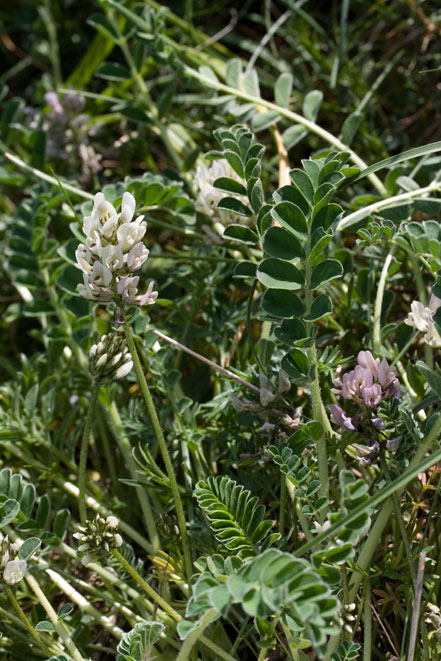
(356, 216)
(318, 410)
(422, 295)
(126, 450)
(282, 507)
(84, 449)
(379, 302)
(58, 626)
(165, 606)
(163, 447)
(367, 622)
(416, 608)
(319, 415)
(24, 619)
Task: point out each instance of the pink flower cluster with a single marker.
(368, 384)
(112, 251)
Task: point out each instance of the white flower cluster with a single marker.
(113, 250)
(110, 358)
(208, 196)
(420, 318)
(13, 568)
(98, 537)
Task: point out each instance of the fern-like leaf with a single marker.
(235, 516)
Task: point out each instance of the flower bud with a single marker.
(98, 537)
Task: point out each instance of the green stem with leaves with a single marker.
(163, 447)
(318, 409)
(26, 622)
(282, 507)
(84, 449)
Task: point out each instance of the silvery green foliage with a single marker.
(110, 358)
(138, 642)
(270, 584)
(236, 517)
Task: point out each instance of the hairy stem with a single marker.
(163, 447)
(367, 622)
(84, 449)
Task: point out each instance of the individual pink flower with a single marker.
(339, 417)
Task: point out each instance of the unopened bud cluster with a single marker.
(110, 358)
(112, 252)
(13, 568)
(98, 537)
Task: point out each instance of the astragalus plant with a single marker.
(220, 389)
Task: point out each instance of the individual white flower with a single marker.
(110, 227)
(14, 571)
(100, 275)
(127, 288)
(93, 292)
(84, 258)
(420, 317)
(112, 258)
(137, 256)
(129, 234)
(149, 297)
(128, 206)
(208, 196)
